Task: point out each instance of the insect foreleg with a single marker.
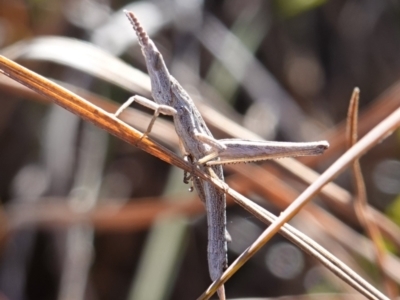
(216, 146)
(158, 109)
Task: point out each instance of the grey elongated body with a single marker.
(207, 153)
(189, 124)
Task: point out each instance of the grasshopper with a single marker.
(198, 146)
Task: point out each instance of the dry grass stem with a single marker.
(281, 194)
(116, 127)
(364, 216)
(123, 75)
(382, 106)
(375, 136)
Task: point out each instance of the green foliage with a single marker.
(291, 8)
(393, 210)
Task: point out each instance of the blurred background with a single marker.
(86, 216)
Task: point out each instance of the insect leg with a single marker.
(213, 143)
(163, 109)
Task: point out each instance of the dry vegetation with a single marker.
(86, 215)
